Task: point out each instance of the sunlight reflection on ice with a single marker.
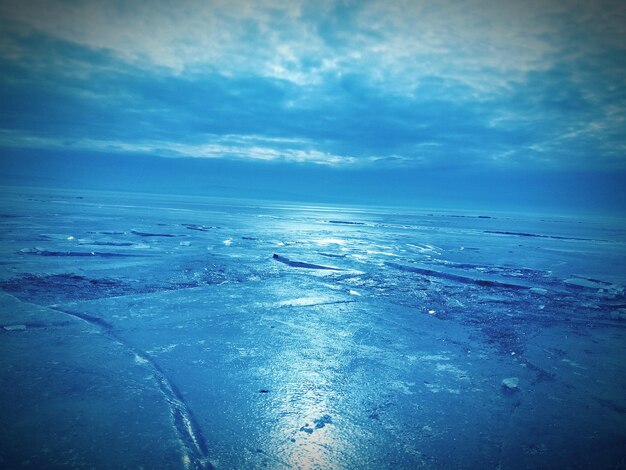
(310, 395)
(330, 241)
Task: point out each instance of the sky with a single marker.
(416, 102)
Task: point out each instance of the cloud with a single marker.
(301, 41)
(352, 83)
(214, 147)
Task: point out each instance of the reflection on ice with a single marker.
(329, 241)
(309, 394)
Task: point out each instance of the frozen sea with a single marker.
(141, 331)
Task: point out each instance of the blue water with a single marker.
(142, 331)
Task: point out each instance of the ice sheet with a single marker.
(314, 337)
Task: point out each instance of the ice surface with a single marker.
(317, 337)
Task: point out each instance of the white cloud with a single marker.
(247, 147)
(484, 44)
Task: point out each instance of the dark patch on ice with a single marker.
(306, 429)
(456, 277)
(345, 222)
(56, 288)
(300, 264)
(323, 421)
(611, 405)
(34, 325)
(151, 234)
(319, 424)
(196, 275)
(535, 235)
(503, 335)
(489, 283)
(542, 375)
(458, 216)
(68, 287)
(100, 254)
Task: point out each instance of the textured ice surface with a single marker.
(203, 334)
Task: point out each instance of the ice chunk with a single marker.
(55, 236)
(456, 277)
(510, 384)
(345, 222)
(586, 283)
(198, 227)
(149, 234)
(300, 264)
(112, 232)
(15, 327)
(332, 255)
(535, 235)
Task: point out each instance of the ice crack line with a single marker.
(195, 450)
